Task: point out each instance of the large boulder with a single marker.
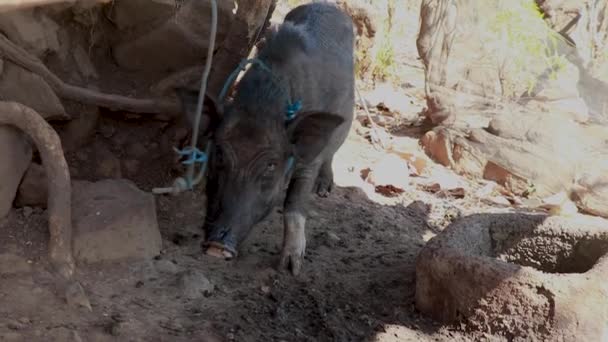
(176, 43)
(15, 156)
(30, 29)
(528, 277)
(113, 220)
(31, 91)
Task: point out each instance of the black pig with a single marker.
(260, 149)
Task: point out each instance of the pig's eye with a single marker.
(270, 168)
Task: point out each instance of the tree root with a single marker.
(19, 56)
(59, 188)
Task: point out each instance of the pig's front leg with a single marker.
(294, 218)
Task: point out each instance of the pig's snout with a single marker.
(220, 244)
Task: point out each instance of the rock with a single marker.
(32, 91)
(27, 212)
(193, 284)
(518, 275)
(13, 264)
(131, 167)
(513, 159)
(437, 146)
(15, 157)
(16, 325)
(113, 220)
(30, 29)
(33, 190)
(559, 204)
(84, 63)
(166, 266)
(108, 165)
(130, 14)
(76, 297)
(183, 39)
(590, 191)
(80, 130)
(390, 170)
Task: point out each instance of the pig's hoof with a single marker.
(324, 186)
(291, 262)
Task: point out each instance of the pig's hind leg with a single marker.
(325, 180)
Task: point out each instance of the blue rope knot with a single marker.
(293, 109)
(194, 155)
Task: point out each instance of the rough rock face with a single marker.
(32, 91)
(31, 29)
(15, 156)
(33, 190)
(522, 276)
(591, 188)
(113, 220)
(180, 40)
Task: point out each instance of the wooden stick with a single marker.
(26, 60)
(58, 177)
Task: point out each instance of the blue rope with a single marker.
(292, 107)
(290, 162)
(194, 155)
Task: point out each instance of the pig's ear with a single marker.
(310, 132)
(212, 110)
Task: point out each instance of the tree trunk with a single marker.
(437, 31)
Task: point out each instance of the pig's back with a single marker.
(329, 29)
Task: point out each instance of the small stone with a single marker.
(76, 297)
(107, 131)
(108, 165)
(27, 212)
(265, 289)
(118, 328)
(80, 131)
(193, 284)
(333, 237)
(131, 167)
(16, 325)
(166, 266)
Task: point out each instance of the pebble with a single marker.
(76, 297)
(166, 266)
(194, 284)
(27, 212)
